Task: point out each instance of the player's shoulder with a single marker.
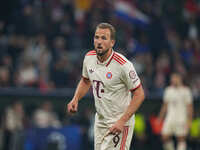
(169, 88)
(120, 59)
(186, 88)
(90, 56)
(91, 53)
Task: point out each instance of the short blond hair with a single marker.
(107, 26)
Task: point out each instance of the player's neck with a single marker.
(178, 85)
(105, 57)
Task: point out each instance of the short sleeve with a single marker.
(130, 77)
(188, 96)
(166, 95)
(84, 69)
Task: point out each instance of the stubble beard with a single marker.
(102, 53)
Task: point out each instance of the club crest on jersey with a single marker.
(108, 75)
(132, 74)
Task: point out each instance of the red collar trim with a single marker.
(110, 59)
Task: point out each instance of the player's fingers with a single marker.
(74, 107)
(72, 111)
(118, 132)
(70, 108)
(113, 130)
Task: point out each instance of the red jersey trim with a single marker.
(119, 59)
(110, 60)
(90, 54)
(93, 52)
(135, 88)
(118, 56)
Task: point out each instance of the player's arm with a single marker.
(138, 98)
(163, 111)
(190, 113)
(81, 91)
(189, 101)
(166, 100)
(82, 88)
(133, 83)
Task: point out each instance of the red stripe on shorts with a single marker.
(124, 137)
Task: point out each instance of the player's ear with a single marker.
(112, 43)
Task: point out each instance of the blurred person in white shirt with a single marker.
(178, 108)
(45, 117)
(14, 125)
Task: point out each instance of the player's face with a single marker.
(175, 80)
(102, 41)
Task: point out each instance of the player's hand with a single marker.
(72, 106)
(117, 128)
(188, 125)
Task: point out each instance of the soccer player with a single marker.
(178, 108)
(117, 91)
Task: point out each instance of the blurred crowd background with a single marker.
(43, 43)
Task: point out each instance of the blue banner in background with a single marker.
(128, 12)
(66, 138)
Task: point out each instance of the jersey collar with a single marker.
(107, 62)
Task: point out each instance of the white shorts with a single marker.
(113, 142)
(174, 128)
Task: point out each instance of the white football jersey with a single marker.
(112, 82)
(177, 99)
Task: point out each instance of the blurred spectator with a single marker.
(58, 47)
(195, 85)
(14, 125)
(37, 51)
(14, 49)
(4, 77)
(27, 74)
(25, 21)
(50, 34)
(196, 53)
(191, 27)
(173, 39)
(162, 70)
(60, 74)
(139, 47)
(61, 68)
(186, 52)
(45, 117)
